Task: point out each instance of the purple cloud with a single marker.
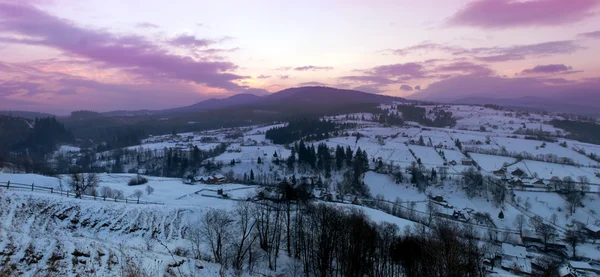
(284, 76)
(402, 71)
(546, 69)
(147, 25)
(495, 54)
(190, 41)
(461, 87)
(520, 52)
(263, 76)
(313, 68)
(424, 48)
(406, 88)
(133, 53)
(368, 79)
(499, 14)
(464, 67)
(374, 88)
(595, 34)
(417, 87)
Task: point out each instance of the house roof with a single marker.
(539, 181)
(514, 250)
(580, 265)
(593, 228)
(518, 171)
(565, 271)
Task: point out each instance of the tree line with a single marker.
(324, 240)
(307, 129)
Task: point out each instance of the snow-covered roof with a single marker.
(514, 250)
(593, 228)
(565, 271)
(580, 265)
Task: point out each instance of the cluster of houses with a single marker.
(517, 259)
(465, 161)
(210, 179)
(519, 178)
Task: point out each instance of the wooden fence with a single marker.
(68, 193)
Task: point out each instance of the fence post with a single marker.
(8, 185)
(125, 200)
(31, 186)
(51, 190)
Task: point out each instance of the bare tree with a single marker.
(82, 183)
(106, 192)
(246, 235)
(215, 229)
(118, 194)
(584, 181)
(520, 223)
(194, 234)
(137, 194)
(574, 238)
(573, 200)
(149, 190)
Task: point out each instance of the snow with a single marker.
(580, 265)
(68, 148)
(381, 184)
(546, 170)
(428, 155)
(491, 163)
(514, 250)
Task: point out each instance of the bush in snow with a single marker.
(137, 180)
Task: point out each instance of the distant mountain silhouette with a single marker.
(294, 99)
(25, 114)
(533, 103)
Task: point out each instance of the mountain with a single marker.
(320, 100)
(206, 105)
(326, 94)
(532, 93)
(293, 99)
(26, 114)
(216, 104)
(532, 103)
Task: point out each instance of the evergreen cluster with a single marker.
(307, 129)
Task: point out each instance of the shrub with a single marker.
(136, 181)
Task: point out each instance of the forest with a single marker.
(579, 130)
(307, 129)
(441, 118)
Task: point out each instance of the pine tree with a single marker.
(251, 175)
(259, 161)
(501, 215)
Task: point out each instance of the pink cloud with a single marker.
(499, 14)
(134, 53)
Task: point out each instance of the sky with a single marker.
(63, 55)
